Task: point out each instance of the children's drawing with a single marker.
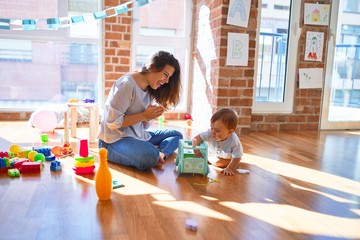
(316, 14)
(237, 49)
(310, 78)
(238, 13)
(314, 46)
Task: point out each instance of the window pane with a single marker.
(40, 72)
(39, 68)
(85, 8)
(352, 6)
(272, 55)
(21, 9)
(159, 18)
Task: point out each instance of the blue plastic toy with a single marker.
(55, 166)
(186, 162)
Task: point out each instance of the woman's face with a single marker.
(160, 78)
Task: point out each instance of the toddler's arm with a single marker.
(196, 142)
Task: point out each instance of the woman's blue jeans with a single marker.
(142, 154)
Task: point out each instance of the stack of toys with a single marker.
(84, 163)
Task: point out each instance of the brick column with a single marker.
(224, 86)
(117, 45)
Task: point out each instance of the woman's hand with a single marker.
(153, 111)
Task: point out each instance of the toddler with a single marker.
(224, 147)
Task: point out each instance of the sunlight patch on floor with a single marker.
(163, 197)
(304, 174)
(332, 197)
(298, 220)
(209, 198)
(193, 208)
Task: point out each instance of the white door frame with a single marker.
(325, 124)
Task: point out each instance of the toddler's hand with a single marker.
(228, 171)
(197, 154)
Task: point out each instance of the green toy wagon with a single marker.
(186, 162)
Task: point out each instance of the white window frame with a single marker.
(294, 32)
(164, 41)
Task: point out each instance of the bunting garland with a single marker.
(63, 22)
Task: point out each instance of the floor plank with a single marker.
(302, 185)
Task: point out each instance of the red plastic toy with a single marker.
(30, 167)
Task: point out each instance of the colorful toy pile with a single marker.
(19, 160)
(84, 163)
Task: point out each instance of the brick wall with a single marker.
(117, 44)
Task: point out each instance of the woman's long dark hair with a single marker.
(168, 94)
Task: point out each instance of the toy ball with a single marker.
(44, 120)
(189, 122)
(187, 116)
(15, 149)
(39, 157)
(31, 155)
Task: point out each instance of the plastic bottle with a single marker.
(103, 180)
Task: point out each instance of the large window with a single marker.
(276, 56)
(158, 27)
(352, 6)
(53, 63)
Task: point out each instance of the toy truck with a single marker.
(186, 162)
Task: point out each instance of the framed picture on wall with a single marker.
(314, 46)
(316, 14)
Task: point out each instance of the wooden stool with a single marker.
(70, 115)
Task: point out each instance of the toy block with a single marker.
(4, 162)
(17, 163)
(44, 150)
(84, 170)
(55, 166)
(14, 172)
(30, 167)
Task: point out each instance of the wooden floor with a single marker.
(302, 185)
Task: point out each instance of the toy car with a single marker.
(186, 162)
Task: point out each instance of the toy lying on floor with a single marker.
(186, 162)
